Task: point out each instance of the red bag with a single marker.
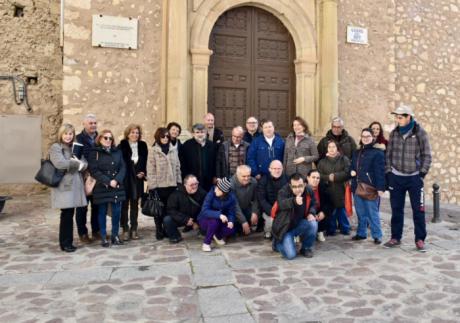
(348, 200)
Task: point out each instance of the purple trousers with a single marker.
(215, 227)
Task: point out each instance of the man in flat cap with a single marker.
(408, 160)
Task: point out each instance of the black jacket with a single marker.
(248, 137)
(87, 142)
(222, 164)
(340, 167)
(181, 208)
(133, 185)
(218, 137)
(105, 166)
(267, 191)
(285, 200)
(347, 144)
(199, 161)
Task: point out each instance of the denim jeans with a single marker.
(116, 212)
(171, 226)
(306, 230)
(398, 186)
(368, 213)
(338, 215)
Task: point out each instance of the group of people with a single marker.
(255, 181)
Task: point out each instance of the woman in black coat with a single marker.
(135, 154)
(106, 165)
(334, 171)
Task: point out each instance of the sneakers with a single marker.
(420, 245)
(267, 235)
(357, 238)
(320, 237)
(116, 241)
(220, 242)
(392, 243)
(307, 253)
(205, 247)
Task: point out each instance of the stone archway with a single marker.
(293, 15)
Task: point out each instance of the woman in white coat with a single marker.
(70, 193)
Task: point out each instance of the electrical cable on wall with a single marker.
(21, 95)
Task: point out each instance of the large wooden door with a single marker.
(251, 71)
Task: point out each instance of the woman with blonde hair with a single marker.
(164, 172)
(135, 153)
(70, 193)
(106, 165)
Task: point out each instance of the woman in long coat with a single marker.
(164, 172)
(135, 154)
(70, 193)
(334, 171)
(106, 165)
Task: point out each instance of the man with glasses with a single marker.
(232, 153)
(252, 130)
(264, 149)
(267, 193)
(337, 133)
(88, 139)
(295, 216)
(198, 157)
(183, 207)
(212, 133)
(407, 161)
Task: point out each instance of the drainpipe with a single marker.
(61, 31)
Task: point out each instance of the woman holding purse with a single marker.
(368, 184)
(135, 154)
(164, 172)
(70, 193)
(106, 165)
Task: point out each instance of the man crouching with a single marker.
(294, 215)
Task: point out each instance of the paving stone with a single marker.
(130, 273)
(81, 277)
(238, 318)
(25, 279)
(221, 301)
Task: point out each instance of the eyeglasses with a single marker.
(165, 136)
(107, 138)
(400, 117)
(193, 184)
(364, 137)
(255, 122)
(297, 186)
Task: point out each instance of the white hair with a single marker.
(241, 168)
(89, 116)
(338, 120)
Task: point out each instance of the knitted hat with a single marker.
(224, 185)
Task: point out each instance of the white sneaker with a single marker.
(267, 235)
(321, 237)
(220, 242)
(205, 247)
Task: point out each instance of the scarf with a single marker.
(407, 128)
(165, 148)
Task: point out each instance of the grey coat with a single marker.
(306, 148)
(71, 190)
(246, 197)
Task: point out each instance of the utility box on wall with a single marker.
(20, 148)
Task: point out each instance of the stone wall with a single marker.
(120, 86)
(30, 47)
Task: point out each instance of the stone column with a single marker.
(200, 64)
(329, 63)
(176, 81)
(305, 71)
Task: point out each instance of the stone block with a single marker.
(81, 277)
(221, 301)
(25, 279)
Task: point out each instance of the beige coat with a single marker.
(71, 190)
(163, 170)
(306, 148)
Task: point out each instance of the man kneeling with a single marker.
(294, 214)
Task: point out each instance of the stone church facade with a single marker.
(270, 58)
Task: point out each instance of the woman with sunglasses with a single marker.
(163, 172)
(106, 165)
(135, 153)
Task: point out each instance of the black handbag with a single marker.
(48, 174)
(152, 205)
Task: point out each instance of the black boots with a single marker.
(159, 231)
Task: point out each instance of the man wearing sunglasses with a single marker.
(408, 160)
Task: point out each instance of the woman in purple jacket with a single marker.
(218, 214)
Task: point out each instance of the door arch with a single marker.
(251, 71)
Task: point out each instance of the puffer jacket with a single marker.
(305, 148)
(339, 166)
(163, 170)
(214, 206)
(369, 165)
(105, 166)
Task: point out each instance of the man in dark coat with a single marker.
(87, 138)
(183, 207)
(347, 144)
(295, 217)
(212, 133)
(252, 130)
(231, 154)
(198, 157)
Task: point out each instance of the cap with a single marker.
(224, 185)
(404, 109)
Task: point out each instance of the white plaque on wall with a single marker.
(116, 32)
(357, 35)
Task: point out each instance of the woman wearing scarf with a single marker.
(300, 150)
(163, 172)
(334, 170)
(368, 166)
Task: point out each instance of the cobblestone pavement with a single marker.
(150, 281)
